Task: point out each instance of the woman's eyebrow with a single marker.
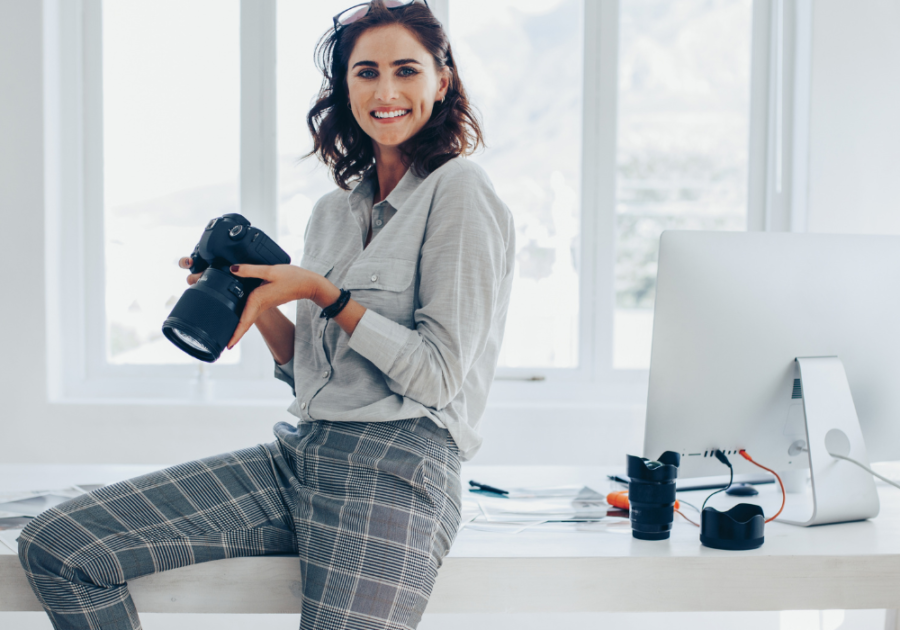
(373, 64)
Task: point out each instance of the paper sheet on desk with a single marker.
(529, 507)
(17, 509)
(34, 502)
(542, 493)
(8, 539)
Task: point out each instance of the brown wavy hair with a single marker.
(340, 142)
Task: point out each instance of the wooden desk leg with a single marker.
(892, 619)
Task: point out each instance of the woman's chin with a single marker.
(390, 141)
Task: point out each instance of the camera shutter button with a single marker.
(235, 231)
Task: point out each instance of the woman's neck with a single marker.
(390, 168)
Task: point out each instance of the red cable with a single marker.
(746, 456)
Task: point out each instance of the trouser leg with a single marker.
(79, 555)
(378, 507)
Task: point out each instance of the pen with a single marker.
(619, 479)
(486, 488)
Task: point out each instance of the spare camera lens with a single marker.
(651, 495)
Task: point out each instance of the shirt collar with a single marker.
(397, 197)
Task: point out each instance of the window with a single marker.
(606, 122)
(300, 182)
(683, 140)
(171, 143)
(522, 63)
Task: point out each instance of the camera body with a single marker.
(231, 240)
(205, 317)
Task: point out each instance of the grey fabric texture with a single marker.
(435, 280)
(370, 509)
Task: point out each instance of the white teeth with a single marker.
(394, 114)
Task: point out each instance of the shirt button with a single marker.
(378, 222)
(325, 374)
(303, 405)
(374, 277)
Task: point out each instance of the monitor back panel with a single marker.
(733, 310)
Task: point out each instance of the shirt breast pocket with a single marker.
(386, 286)
(316, 264)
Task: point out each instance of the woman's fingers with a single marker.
(192, 279)
(248, 317)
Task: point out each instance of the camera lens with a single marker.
(651, 495)
(204, 318)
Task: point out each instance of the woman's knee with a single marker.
(54, 545)
(40, 545)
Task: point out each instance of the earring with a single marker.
(442, 100)
(349, 107)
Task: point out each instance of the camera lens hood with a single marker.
(740, 528)
(664, 469)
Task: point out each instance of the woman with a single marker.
(365, 489)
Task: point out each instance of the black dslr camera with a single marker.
(206, 315)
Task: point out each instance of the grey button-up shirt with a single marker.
(435, 280)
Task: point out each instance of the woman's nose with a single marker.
(386, 90)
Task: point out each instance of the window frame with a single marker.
(778, 159)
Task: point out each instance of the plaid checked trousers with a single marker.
(370, 508)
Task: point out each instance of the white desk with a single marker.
(846, 566)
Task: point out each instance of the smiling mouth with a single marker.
(400, 113)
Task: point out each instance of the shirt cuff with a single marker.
(380, 340)
(285, 372)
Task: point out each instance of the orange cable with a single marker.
(746, 456)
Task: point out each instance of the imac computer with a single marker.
(787, 346)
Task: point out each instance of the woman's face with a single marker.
(393, 84)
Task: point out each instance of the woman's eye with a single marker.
(363, 74)
(411, 72)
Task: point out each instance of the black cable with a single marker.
(721, 457)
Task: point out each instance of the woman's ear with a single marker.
(443, 84)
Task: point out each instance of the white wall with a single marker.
(855, 117)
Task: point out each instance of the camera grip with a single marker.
(198, 264)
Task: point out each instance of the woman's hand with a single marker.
(281, 284)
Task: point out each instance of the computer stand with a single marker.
(841, 491)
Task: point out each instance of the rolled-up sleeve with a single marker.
(462, 263)
(285, 372)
